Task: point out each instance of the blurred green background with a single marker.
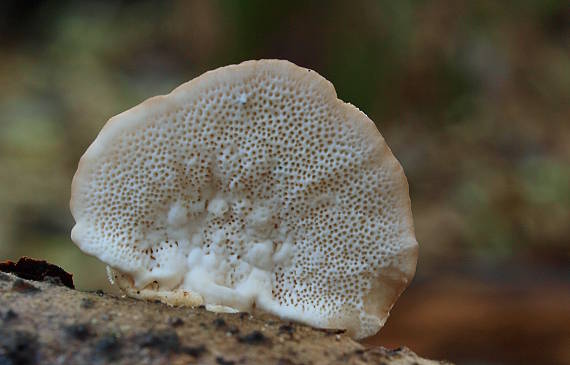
(473, 97)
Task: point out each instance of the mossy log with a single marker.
(49, 323)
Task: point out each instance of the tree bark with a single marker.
(47, 323)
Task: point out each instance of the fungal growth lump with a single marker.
(251, 187)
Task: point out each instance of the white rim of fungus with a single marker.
(250, 187)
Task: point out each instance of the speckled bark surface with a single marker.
(43, 323)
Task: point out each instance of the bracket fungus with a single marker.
(250, 187)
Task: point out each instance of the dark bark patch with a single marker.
(9, 316)
(167, 341)
(38, 270)
(163, 341)
(397, 352)
(286, 329)
(196, 351)
(107, 347)
(79, 331)
(175, 321)
(18, 347)
(219, 323)
(253, 338)
(331, 332)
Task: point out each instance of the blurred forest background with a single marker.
(472, 96)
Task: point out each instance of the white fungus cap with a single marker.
(250, 187)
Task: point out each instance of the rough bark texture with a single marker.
(46, 323)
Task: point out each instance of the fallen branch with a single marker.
(42, 322)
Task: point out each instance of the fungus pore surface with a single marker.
(251, 186)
